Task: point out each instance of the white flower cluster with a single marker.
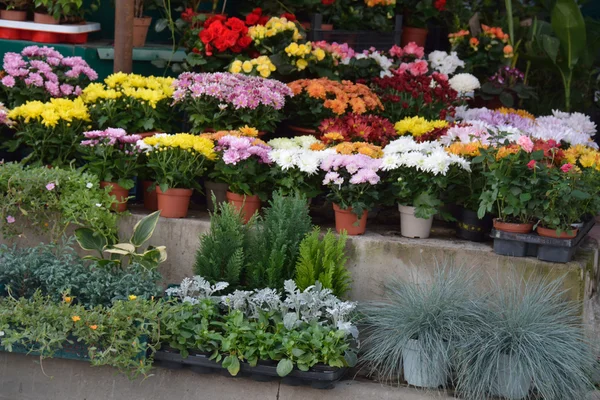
(428, 157)
(298, 142)
(464, 83)
(191, 290)
(384, 63)
(573, 128)
(445, 63)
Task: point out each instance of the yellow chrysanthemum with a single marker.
(185, 141)
(52, 112)
(418, 126)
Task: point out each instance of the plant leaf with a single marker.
(284, 367)
(144, 229)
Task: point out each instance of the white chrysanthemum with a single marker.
(309, 162)
(283, 143)
(284, 158)
(143, 146)
(577, 121)
(464, 83)
(305, 141)
(445, 63)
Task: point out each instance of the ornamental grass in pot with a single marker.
(352, 181)
(177, 162)
(413, 332)
(417, 173)
(112, 155)
(244, 164)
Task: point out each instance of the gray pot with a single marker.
(220, 192)
(421, 371)
(513, 383)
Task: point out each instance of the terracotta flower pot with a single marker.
(120, 193)
(299, 131)
(551, 233)
(417, 35)
(174, 203)
(345, 220)
(147, 134)
(40, 18)
(248, 205)
(140, 31)
(150, 198)
(512, 228)
(13, 15)
(324, 27)
(219, 190)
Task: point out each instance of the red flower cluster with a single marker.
(440, 5)
(405, 95)
(188, 15)
(222, 33)
(357, 128)
(434, 134)
(327, 2)
(256, 17)
(551, 149)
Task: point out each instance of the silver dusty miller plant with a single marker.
(192, 290)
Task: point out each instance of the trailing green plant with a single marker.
(150, 258)
(224, 250)
(49, 200)
(531, 324)
(276, 241)
(323, 260)
(56, 271)
(436, 314)
(118, 336)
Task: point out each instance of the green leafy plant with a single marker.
(323, 260)
(224, 250)
(150, 258)
(49, 200)
(531, 324)
(17, 5)
(276, 241)
(56, 271)
(435, 314)
(70, 10)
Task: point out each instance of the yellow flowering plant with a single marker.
(418, 127)
(132, 102)
(260, 66)
(178, 160)
(51, 131)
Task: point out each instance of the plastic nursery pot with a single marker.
(411, 226)
(25, 35)
(140, 30)
(512, 383)
(13, 15)
(248, 205)
(10, 34)
(40, 18)
(174, 203)
(470, 227)
(120, 193)
(220, 192)
(420, 370)
(551, 233)
(417, 35)
(300, 131)
(346, 220)
(45, 37)
(150, 198)
(513, 228)
(75, 38)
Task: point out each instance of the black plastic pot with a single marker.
(534, 245)
(470, 227)
(319, 377)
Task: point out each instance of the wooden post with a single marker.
(123, 36)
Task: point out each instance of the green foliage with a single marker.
(61, 9)
(150, 258)
(540, 332)
(276, 241)
(55, 270)
(436, 314)
(174, 167)
(224, 249)
(118, 335)
(76, 199)
(323, 260)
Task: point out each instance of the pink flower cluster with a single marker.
(416, 68)
(110, 137)
(361, 169)
(338, 51)
(46, 68)
(239, 90)
(410, 52)
(239, 148)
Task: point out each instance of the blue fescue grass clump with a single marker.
(437, 313)
(541, 333)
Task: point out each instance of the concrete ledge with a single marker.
(21, 378)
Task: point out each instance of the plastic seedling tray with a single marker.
(34, 26)
(319, 377)
(534, 245)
